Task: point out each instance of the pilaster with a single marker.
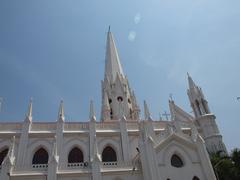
(124, 139)
(23, 142)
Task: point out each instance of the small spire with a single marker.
(109, 28)
(61, 111)
(172, 109)
(146, 112)
(29, 112)
(92, 116)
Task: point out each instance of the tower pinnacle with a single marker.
(61, 111)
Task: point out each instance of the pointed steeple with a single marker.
(112, 62)
(146, 112)
(196, 97)
(29, 112)
(117, 99)
(191, 83)
(92, 116)
(61, 116)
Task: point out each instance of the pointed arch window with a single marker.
(75, 155)
(176, 161)
(195, 178)
(109, 155)
(3, 154)
(40, 157)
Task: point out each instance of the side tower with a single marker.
(117, 98)
(205, 119)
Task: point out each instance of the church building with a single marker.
(117, 146)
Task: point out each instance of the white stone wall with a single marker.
(154, 154)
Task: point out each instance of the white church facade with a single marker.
(119, 146)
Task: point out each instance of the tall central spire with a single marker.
(112, 64)
(118, 99)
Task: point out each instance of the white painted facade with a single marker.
(144, 148)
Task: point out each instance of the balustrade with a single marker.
(75, 126)
(76, 165)
(107, 126)
(40, 166)
(10, 126)
(43, 126)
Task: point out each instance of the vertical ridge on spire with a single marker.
(112, 61)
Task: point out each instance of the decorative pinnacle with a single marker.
(61, 111)
(146, 111)
(29, 111)
(92, 116)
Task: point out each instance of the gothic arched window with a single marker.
(176, 161)
(75, 156)
(40, 157)
(195, 178)
(109, 155)
(3, 154)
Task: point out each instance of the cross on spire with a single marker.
(166, 115)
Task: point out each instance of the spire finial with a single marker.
(61, 111)
(109, 28)
(92, 116)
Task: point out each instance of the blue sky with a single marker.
(53, 50)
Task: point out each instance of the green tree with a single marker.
(226, 167)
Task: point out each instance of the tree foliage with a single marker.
(227, 167)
